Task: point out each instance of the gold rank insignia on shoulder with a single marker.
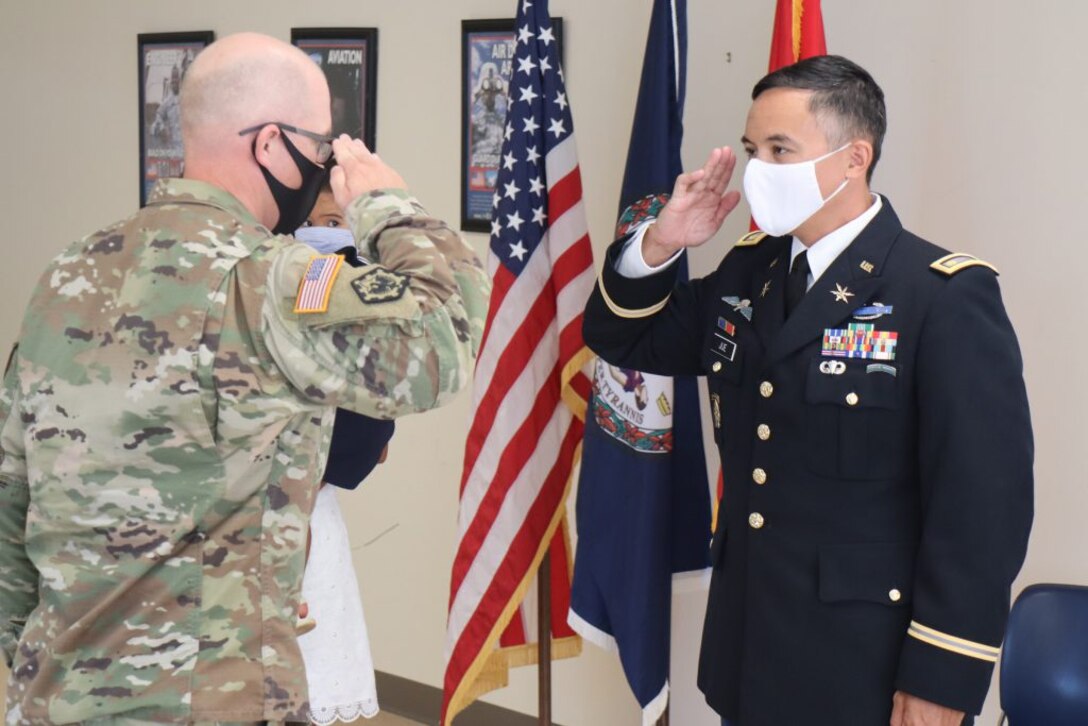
(953, 263)
(380, 286)
(316, 284)
(751, 239)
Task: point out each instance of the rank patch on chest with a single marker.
(316, 285)
(380, 286)
(860, 340)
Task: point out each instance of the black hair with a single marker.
(841, 89)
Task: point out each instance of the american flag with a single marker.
(530, 389)
(313, 291)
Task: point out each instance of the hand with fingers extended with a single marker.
(359, 171)
(695, 212)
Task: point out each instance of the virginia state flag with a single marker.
(643, 508)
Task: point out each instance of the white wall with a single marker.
(984, 154)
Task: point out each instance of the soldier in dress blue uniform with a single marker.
(869, 407)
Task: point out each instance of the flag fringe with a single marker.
(798, 12)
(529, 654)
(496, 671)
(571, 397)
(483, 675)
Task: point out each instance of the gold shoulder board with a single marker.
(751, 239)
(953, 263)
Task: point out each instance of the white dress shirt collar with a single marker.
(824, 250)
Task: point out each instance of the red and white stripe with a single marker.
(522, 444)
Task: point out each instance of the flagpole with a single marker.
(544, 640)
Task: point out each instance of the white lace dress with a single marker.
(339, 668)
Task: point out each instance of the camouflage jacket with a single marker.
(165, 417)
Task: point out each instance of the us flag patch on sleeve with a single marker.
(316, 285)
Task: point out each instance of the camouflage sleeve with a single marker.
(386, 339)
(18, 577)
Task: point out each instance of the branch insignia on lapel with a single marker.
(842, 294)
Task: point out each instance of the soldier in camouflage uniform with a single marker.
(167, 410)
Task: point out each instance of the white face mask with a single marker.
(326, 240)
(784, 196)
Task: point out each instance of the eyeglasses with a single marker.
(324, 142)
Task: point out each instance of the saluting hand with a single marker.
(696, 210)
(908, 710)
(359, 171)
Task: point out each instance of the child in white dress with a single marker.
(334, 643)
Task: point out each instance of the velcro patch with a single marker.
(380, 286)
(316, 284)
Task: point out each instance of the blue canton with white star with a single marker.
(538, 119)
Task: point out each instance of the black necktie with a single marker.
(797, 282)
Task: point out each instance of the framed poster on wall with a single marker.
(488, 49)
(349, 59)
(163, 60)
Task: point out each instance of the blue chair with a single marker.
(1044, 661)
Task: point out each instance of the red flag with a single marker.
(798, 32)
(530, 389)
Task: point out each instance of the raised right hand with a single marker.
(359, 171)
(695, 211)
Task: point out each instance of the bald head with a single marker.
(244, 80)
(240, 82)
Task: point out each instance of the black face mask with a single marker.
(294, 204)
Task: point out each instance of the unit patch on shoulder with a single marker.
(953, 263)
(380, 286)
(751, 239)
(316, 284)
